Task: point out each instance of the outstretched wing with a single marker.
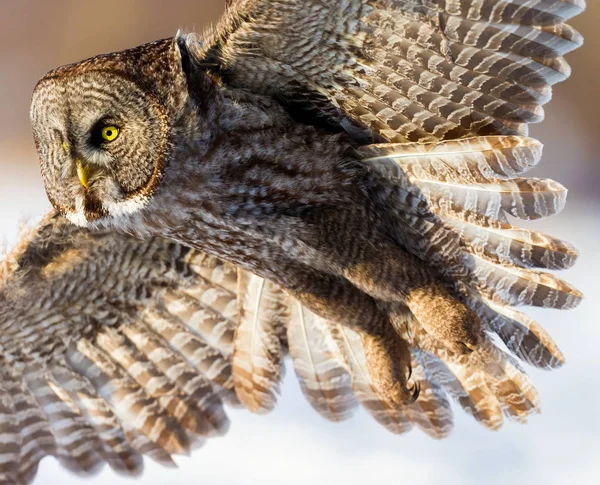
(454, 85)
(111, 348)
(415, 70)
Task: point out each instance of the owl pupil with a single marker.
(109, 133)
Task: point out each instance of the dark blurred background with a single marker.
(294, 445)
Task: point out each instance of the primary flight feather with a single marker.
(329, 179)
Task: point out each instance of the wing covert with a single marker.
(100, 361)
(113, 348)
(404, 70)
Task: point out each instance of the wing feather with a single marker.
(258, 355)
(174, 366)
(431, 412)
(131, 347)
(203, 317)
(522, 335)
(115, 449)
(110, 370)
(465, 194)
(157, 385)
(406, 70)
(10, 441)
(389, 415)
(321, 370)
(130, 402)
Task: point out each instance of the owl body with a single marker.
(331, 179)
(236, 176)
(231, 172)
(283, 200)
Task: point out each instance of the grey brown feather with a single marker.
(264, 221)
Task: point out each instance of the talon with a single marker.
(414, 391)
(460, 348)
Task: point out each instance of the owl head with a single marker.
(105, 127)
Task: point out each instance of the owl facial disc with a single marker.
(102, 141)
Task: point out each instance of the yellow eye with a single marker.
(109, 133)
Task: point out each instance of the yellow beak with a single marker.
(82, 173)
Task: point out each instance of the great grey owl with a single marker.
(325, 178)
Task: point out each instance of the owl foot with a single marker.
(400, 278)
(388, 359)
(445, 318)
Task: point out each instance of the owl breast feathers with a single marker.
(329, 180)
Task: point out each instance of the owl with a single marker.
(329, 180)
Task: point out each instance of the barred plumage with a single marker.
(258, 355)
(411, 70)
(326, 179)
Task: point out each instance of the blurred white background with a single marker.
(293, 445)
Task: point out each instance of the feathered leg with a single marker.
(390, 274)
(388, 354)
